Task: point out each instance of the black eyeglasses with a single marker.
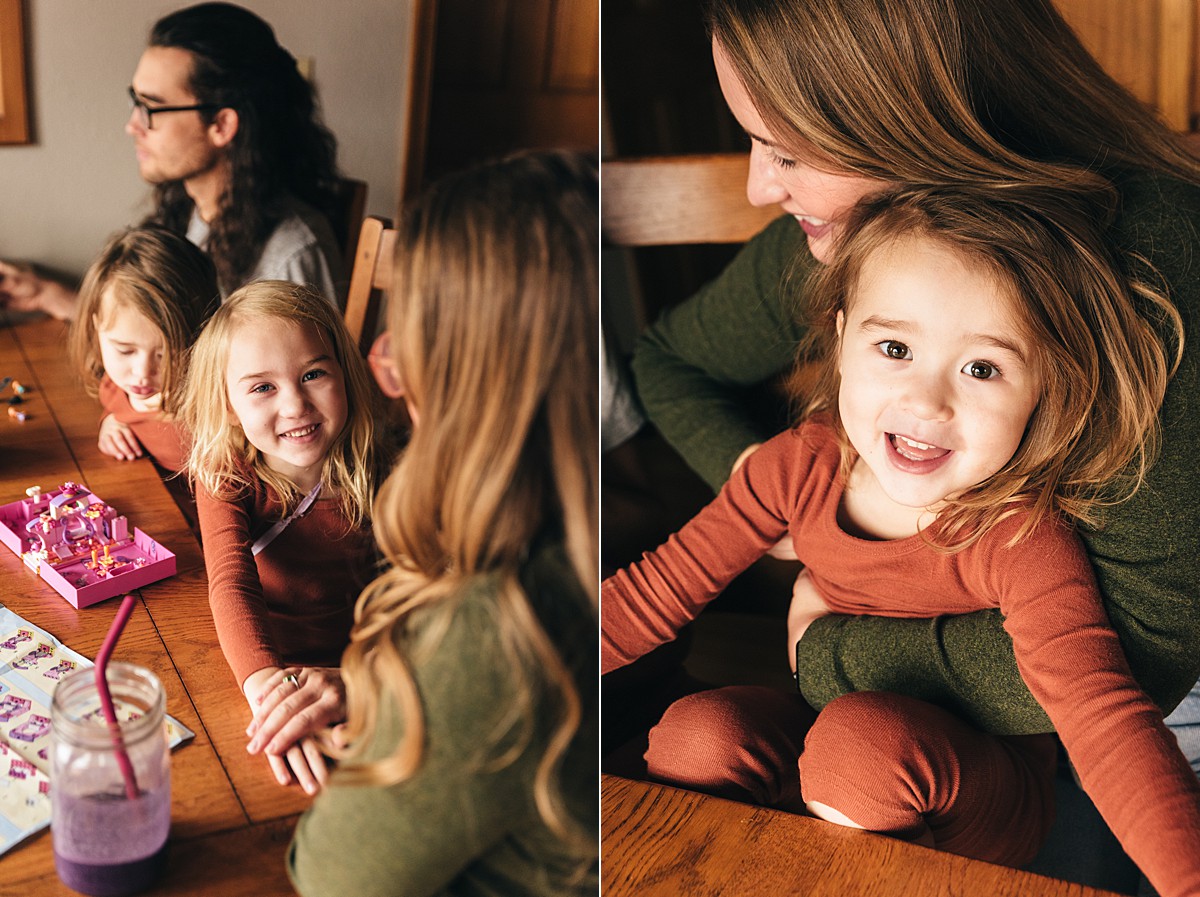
(145, 114)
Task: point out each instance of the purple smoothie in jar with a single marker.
(105, 843)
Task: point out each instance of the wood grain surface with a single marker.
(663, 841)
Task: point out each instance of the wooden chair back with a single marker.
(370, 276)
(647, 489)
(679, 200)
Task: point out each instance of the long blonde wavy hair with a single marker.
(222, 460)
(161, 276)
(493, 321)
(1103, 361)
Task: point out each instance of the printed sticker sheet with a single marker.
(31, 663)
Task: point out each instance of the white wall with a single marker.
(61, 197)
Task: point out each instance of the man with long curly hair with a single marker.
(229, 134)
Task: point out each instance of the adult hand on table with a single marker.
(291, 705)
(22, 290)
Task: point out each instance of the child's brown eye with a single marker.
(893, 349)
(980, 370)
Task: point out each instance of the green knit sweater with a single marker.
(465, 824)
(691, 370)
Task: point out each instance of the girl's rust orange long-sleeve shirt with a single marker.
(1067, 652)
(293, 603)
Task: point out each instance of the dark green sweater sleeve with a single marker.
(691, 368)
(466, 823)
(1145, 552)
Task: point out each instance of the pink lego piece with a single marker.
(81, 546)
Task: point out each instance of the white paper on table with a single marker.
(31, 663)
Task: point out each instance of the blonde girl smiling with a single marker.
(285, 462)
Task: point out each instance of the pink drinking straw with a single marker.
(106, 701)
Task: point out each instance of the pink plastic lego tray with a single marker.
(81, 546)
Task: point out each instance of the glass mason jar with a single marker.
(106, 844)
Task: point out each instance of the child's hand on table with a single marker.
(807, 605)
(290, 706)
(118, 441)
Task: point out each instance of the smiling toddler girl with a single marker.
(986, 385)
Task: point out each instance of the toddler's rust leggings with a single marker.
(892, 764)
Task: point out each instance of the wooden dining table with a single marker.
(658, 841)
(230, 821)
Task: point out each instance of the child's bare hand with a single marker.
(289, 706)
(784, 550)
(118, 441)
(807, 605)
(19, 287)
(303, 763)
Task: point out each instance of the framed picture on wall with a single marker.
(14, 104)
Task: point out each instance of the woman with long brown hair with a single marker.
(471, 674)
(844, 98)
